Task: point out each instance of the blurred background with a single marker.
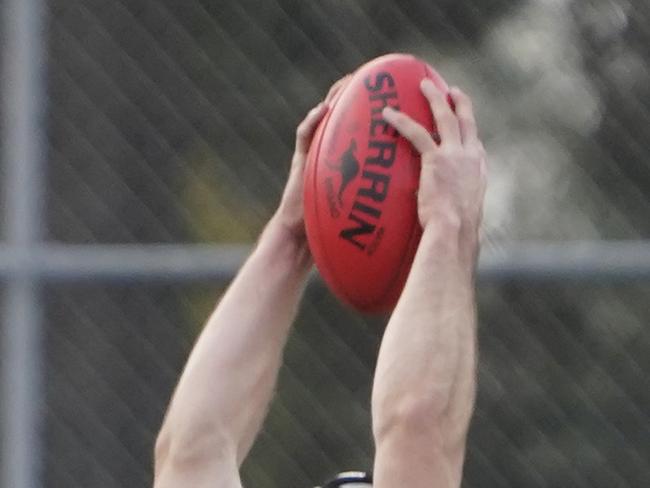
(158, 139)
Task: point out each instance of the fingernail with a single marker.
(427, 84)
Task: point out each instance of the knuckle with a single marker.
(440, 102)
(426, 146)
(445, 154)
(422, 138)
(445, 117)
(420, 131)
(464, 98)
(438, 95)
(406, 126)
(467, 120)
(457, 153)
(301, 130)
(409, 132)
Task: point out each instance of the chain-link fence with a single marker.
(172, 122)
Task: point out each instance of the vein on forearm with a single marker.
(230, 375)
(428, 347)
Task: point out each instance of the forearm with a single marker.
(425, 380)
(225, 389)
(425, 383)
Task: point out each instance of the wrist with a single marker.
(452, 239)
(284, 246)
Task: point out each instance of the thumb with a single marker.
(307, 127)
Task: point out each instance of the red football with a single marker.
(361, 181)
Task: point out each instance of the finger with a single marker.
(336, 87)
(483, 171)
(409, 128)
(306, 128)
(465, 115)
(445, 119)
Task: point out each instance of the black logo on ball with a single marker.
(362, 227)
(348, 167)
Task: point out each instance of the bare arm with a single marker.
(222, 396)
(424, 388)
(225, 389)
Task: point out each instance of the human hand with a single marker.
(454, 172)
(290, 213)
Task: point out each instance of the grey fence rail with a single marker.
(143, 147)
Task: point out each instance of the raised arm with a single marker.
(223, 394)
(425, 381)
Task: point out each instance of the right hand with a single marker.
(290, 212)
(454, 173)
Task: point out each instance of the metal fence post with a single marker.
(23, 102)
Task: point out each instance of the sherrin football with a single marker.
(361, 180)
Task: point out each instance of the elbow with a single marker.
(412, 415)
(161, 449)
(185, 448)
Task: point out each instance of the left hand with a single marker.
(290, 213)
